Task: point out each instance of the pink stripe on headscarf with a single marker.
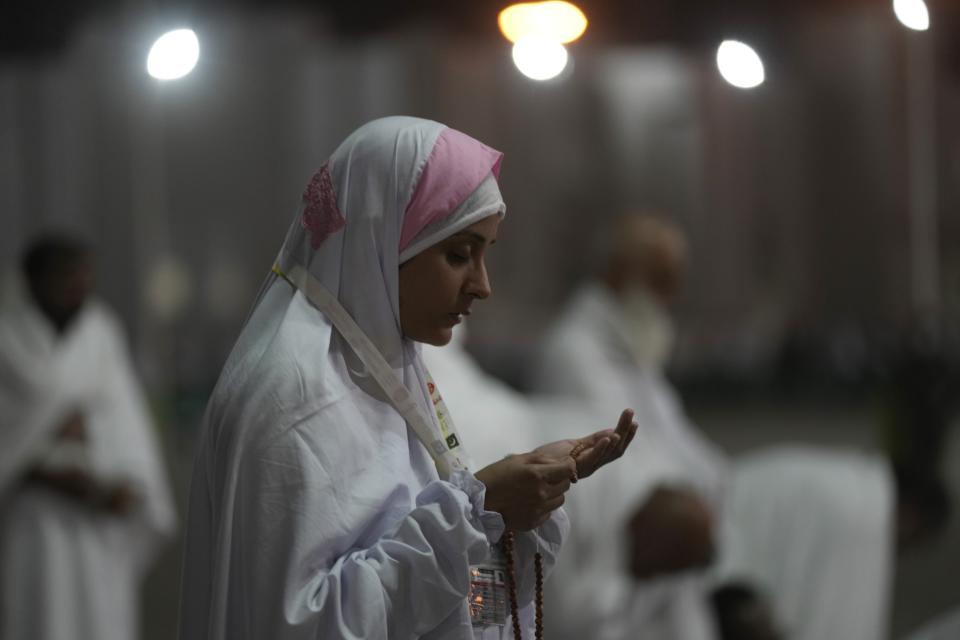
(456, 167)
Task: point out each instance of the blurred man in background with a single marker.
(814, 528)
(635, 560)
(84, 501)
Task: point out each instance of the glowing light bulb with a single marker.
(740, 65)
(913, 14)
(555, 20)
(539, 58)
(173, 55)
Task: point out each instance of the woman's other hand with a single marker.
(525, 489)
(597, 449)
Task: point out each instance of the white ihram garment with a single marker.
(315, 510)
(591, 355)
(70, 572)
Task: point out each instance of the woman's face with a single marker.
(438, 285)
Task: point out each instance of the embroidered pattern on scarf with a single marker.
(321, 217)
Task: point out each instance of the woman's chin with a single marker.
(438, 338)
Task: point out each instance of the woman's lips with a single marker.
(457, 316)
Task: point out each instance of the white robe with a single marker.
(586, 357)
(69, 572)
(814, 527)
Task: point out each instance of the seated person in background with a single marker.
(85, 502)
(634, 560)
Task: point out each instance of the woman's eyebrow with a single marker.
(476, 237)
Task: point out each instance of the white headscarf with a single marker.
(392, 185)
(371, 181)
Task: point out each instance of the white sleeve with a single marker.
(310, 564)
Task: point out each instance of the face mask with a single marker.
(650, 331)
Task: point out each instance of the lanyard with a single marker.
(445, 447)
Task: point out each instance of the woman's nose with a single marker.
(478, 286)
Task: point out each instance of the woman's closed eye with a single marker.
(458, 256)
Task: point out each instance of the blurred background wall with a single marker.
(821, 207)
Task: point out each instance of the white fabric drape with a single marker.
(814, 527)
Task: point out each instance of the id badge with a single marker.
(488, 591)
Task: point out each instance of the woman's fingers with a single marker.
(556, 472)
(623, 425)
(542, 519)
(593, 458)
(554, 503)
(619, 437)
(626, 429)
(633, 431)
(554, 489)
(591, 440)
(606, 446)
(581, 457)
(588, 458)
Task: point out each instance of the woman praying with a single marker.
(332, 496)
